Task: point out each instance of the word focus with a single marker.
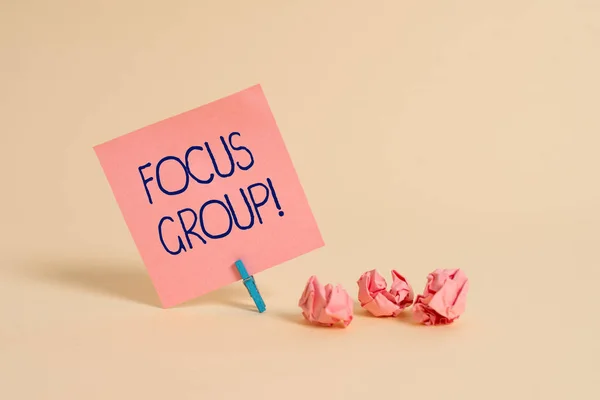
(215, 218)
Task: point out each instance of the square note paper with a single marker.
(205, 188)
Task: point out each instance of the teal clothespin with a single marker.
(251, 286)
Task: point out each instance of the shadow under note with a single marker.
(127, 281)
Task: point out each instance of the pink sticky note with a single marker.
(205, 188)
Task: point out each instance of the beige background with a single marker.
(427, 134)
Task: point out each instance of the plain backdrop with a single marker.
(426, 134)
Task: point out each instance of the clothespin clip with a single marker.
(251, 286)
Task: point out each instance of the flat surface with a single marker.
(426, 135)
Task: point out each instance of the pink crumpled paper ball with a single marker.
(375, 298)
(327, 305)
(444, 298)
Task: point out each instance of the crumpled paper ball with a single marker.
(444, 298)
(376, 299)
(326, 306)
